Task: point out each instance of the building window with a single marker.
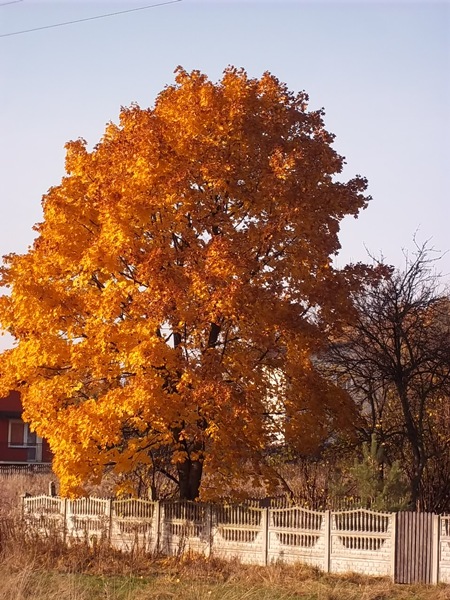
(20, 434)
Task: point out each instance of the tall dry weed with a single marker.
(12, 488)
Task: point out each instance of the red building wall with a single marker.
(11, 408)
(8, 454)
(11, 404)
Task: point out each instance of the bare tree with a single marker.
(394, 359)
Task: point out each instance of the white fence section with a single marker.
(134, 523)
(88, 518)
(444, 550)
(360, 541)
(240, 531)
(185, 526)
(299, 535)
(48, 512)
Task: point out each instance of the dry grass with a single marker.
(172, 581)
(12, 487)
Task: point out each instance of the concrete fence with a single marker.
(359, 540)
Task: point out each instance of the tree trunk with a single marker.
(189, 477)
(417, 485)
(414, 434)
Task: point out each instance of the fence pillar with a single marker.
(393, 544)
(209, 529)
(436, 525)
(109, 515)
(213, 527)
(157, 524)
(327, 538)
(26, 495)
(265, 534)
(65, 521)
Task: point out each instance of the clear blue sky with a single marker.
(381, 71)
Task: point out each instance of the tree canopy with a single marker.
(394, 358)
(179, 285)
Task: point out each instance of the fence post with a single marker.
(157, 522)
(435, 549)
(393, 544)
(213, 526)
(209, 525)
(23, 503)
(327, 539)
(109, 514)
(65, 521)
(265, 534)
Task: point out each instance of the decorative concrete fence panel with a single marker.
(88, 518)
(444, 550)
(298, 535)
(240, 531)
(362, 541)
(135, 524)
(184, 527)
(46, 513)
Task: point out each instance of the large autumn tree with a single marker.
(179, 284)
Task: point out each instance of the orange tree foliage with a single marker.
(179, 284)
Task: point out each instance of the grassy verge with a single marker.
(31, 584)
(49, 571)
